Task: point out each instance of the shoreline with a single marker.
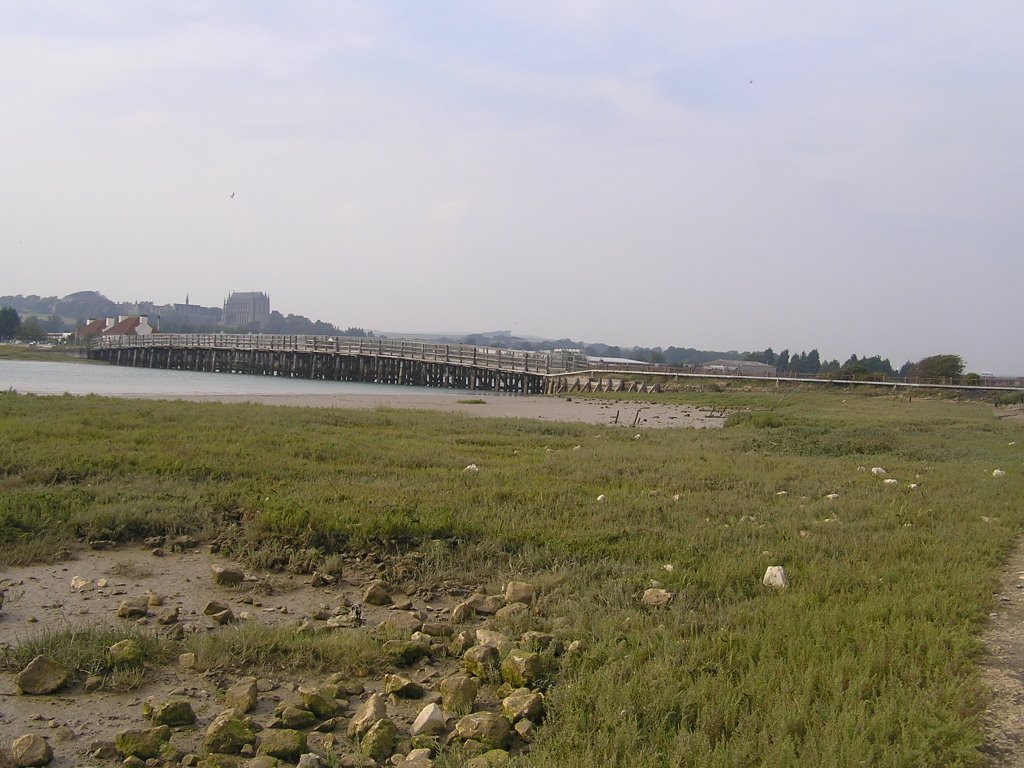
(575, 410)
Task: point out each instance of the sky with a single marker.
(846, 176)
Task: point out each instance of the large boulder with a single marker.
(282, 743)
(429, 722)
(520, 592)
(523, 704)
(483, 661)
(775, 577)
(127, 653)
(402, 686)
(242, 696)
(42, 675)
(319, 703)
(379, 742)
(525, 668)
(228, 734)
(227, 576)
(458, 693)
(377, 593)
(173, 712)
(488, 728)
(143, 744)
(373, 709)
(30, 751)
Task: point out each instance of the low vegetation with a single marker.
(868, 658)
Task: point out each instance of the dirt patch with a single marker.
(42, 597)
(1003, 669)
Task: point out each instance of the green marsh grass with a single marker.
(869, 658)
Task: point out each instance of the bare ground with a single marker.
(1003, 669)
(41, 597)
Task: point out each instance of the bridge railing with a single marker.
(559, 361)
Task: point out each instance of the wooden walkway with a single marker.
(381, 361)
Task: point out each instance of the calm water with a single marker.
(44, 378)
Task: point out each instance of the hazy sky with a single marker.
(840, 175)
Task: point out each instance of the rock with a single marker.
(79, 584)
(462, 612)
(406, 651)
(228, 577)
(136, 608)
(223, 617)
(319, 703)
(373, 709)
(525, 729)
(462, 642)
(458, 693)
(494, 758)
(486, 727)
(998, 473)
(227, 734)
(401, 602)
(520, 592)
(402, 622)
(176, 712)
(656, 598)
(143, 744)
(485, 604)
(483, 661)
(284, 744)
(878, 470)
(92, 683)
(523, 704)
(512, 612)
(540, 641)
(309, 760)
(102, 750)
(30, 750)
(377, 593)
(127, 653)
(525, 668)
(418, 758)
(775, 576)
(402, 687)
(295, 718)
(320, 743)
(471, 468)
(241, 696)
(438, 628)
(494, 639)
(42, 676)
(214, 606)
(263, 761)
(379, 742)
(430, 722)
(167, 616)
(187, 660)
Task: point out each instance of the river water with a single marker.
(48, 378)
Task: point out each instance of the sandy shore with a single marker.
(589, 411)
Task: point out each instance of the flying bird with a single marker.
(232, 195)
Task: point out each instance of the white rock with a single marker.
(668, 567)
(832, 496)
(891, 481)
(636, 436)
(677, 497)
(913, 486)
(472, 468)
(79, 584)
(782, 493)
(775, 576)
(601, 497)
(656, 598)
(878, 470)
(429, 721)
(997, 473)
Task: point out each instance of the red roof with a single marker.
(124, 328)
(95, 328)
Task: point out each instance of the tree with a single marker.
(940, 368)
(9, 322)
(30, 330)
(782, 360)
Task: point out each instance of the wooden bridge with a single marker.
(380, 361)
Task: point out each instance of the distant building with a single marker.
(123, 325)
(245, 309)
(739, 368)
